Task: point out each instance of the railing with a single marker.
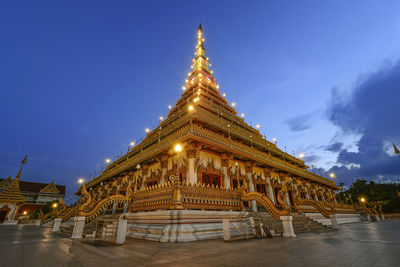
(325, 210)
(173, 195)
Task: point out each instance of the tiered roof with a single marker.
(202, 113)
(12, 193)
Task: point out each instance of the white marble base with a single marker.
(56, 225)
(186, 225)
(79, 224)
(288, 230)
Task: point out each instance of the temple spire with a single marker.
(200, 74)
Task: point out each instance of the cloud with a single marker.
(335, 147)
(299, 123)
(372, 111)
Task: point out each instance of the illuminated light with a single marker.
(301, 155)
(274, 139)
(193, 60)
(242, 115)
(161, 118)
(189, 74)
(332, 175)
(212, 72)
(210, 64)
(190, 108)
(198, 93)
(169, 107)
(147, 130)
(217, 86)
(196, 99)
(132, 143)
(362, 199)
(191, 67)
(108, 161)
(258, 126)
(233, 104)
(81, 181)
(25, 212)
(178, 148)
(183, 88)
(203, 39)
(207, 58)
(55, 205)
(223, 94)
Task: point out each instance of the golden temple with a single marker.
(203, 162)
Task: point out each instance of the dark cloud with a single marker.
(335, 147)
(372, 111)
(299, 123)
(312, 158)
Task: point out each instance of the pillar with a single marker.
(225, 163)
(270, 191)
(114, 208)
(287, 224)
(226, 230)
(164, 168)
(249, 175)
(126, 207)
(377, 218)
(335, 224)
(145, 170)
(79, 224)
(191, 158)
(121, 231)
(56, 225)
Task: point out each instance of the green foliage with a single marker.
(384, 195)
(46, 208)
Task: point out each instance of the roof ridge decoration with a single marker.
(5, 182)
(12, 193)
(50, 188)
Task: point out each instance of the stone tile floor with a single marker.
(361, 244)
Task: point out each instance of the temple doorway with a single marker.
(3, 213)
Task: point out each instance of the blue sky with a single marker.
(80, 80)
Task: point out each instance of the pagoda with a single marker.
(202, 161)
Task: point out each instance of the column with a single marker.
(114, 208)
(307, 189)
(145, 170)
(225, 163)
(121, 231)
(191, 158)
(249, 175)
(79, 224)
(56, 225)
(164, 168)
(126, 207)
(270, 191)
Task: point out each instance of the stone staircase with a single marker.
(266, 219)
(68, 227)
(301, 223)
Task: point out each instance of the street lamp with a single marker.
(108, 161)
(301, 155)
(81, 180)
(55, 205)
(332, 175)
(25, 212)
(132, 143)
(363, 200)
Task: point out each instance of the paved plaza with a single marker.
(361, 244)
